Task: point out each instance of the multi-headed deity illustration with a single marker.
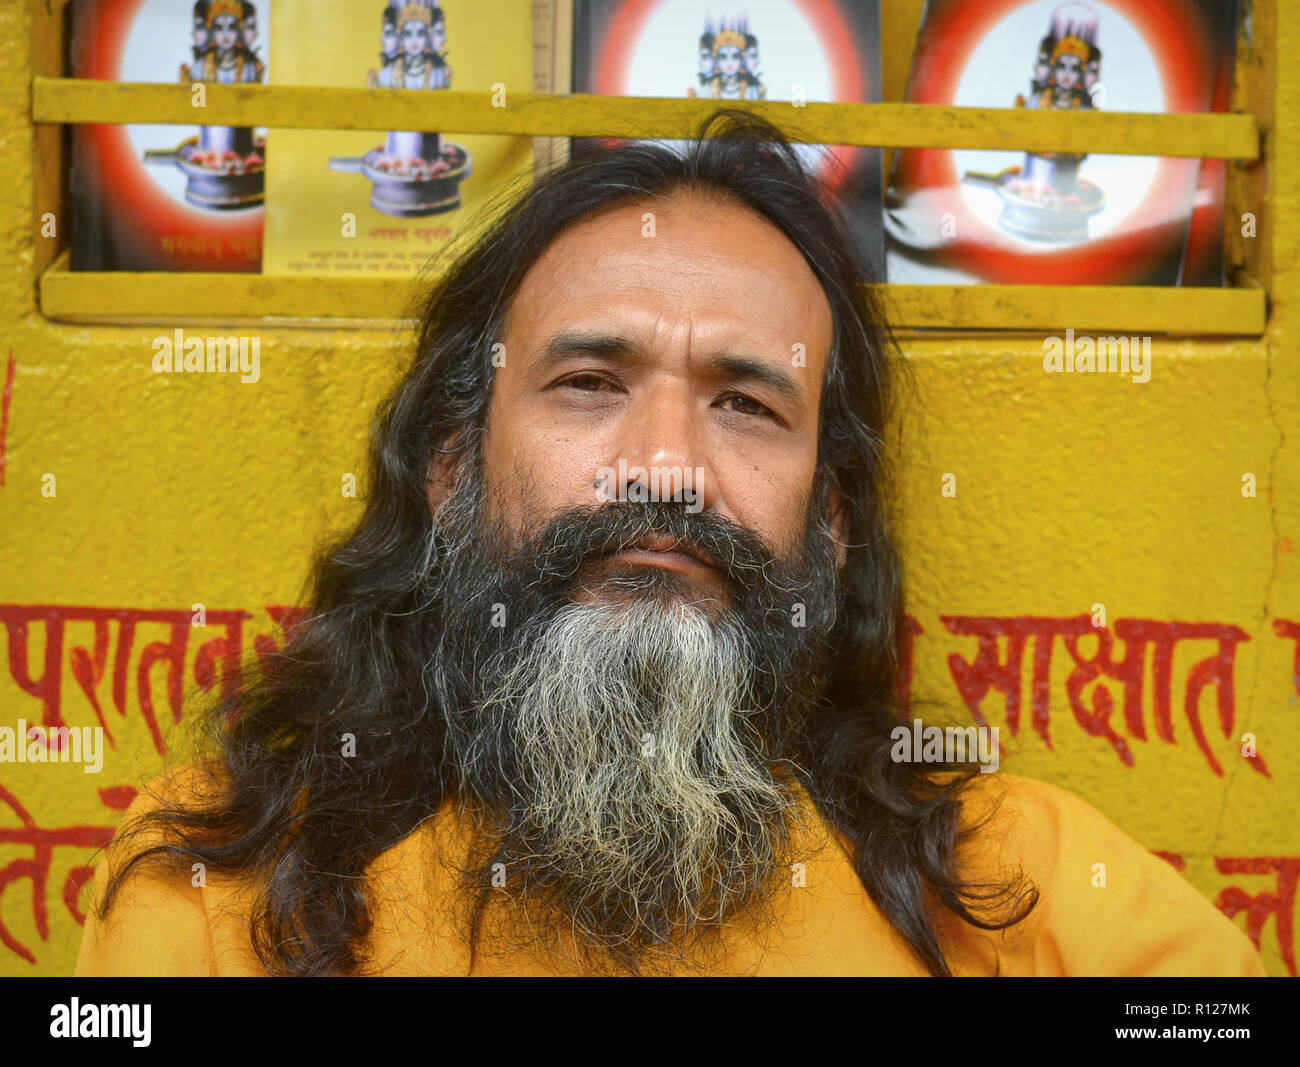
(224, 166)
(728, 57)
(412, 173)
(1045, 199)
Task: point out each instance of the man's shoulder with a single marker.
(1107, 905)
(169, 914)
(159, 823)
(1036, 817)
(1062, 841)
(190, 785)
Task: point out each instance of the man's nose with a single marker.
(660, 450)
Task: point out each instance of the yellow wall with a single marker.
(1072, 491)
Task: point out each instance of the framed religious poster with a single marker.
(795, 50)
(383, 202)
(161, 197)
(955, 217)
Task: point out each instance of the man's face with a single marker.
(696, 353)
(389, 38)
(729, 59)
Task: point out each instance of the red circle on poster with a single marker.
(123, 177)
(1185, 59)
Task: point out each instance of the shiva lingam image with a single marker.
(412, 173)
(1045, 199)
(224, 166)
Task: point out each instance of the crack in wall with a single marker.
(1274, 564)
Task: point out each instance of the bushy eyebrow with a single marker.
(619, 349)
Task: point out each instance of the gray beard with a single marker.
(625, 748)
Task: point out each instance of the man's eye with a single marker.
(748, 406)
(587, 383)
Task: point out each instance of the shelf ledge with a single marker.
(1204, 136)
(86, 296)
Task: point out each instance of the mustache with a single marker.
(577, 537)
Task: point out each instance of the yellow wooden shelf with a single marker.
(1216, 136)
(331, 300)
(162, 297)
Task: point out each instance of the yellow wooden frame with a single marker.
(96, 296)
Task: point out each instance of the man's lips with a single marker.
(662, 551)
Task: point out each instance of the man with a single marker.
(603, 680)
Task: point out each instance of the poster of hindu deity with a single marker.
(158, 197)
(796, 50)
(357, 202)
(955, 217)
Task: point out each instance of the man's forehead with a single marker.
(710, 266)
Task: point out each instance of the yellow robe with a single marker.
(1146, 921)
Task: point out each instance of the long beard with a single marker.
(632, 750)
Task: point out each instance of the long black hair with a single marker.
(285, 809)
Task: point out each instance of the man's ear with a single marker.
(442, 469)
(839, 527)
